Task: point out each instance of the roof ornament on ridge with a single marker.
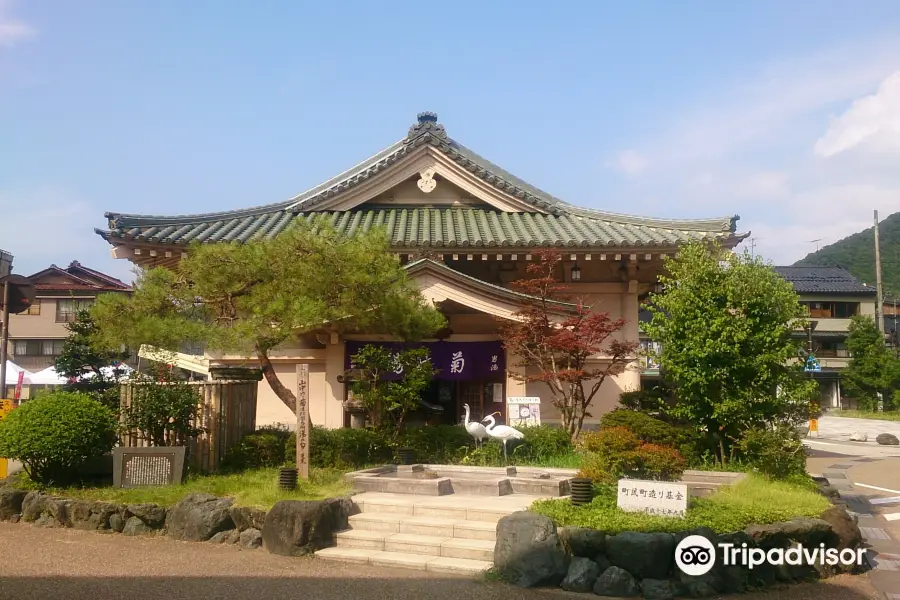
(426, 130)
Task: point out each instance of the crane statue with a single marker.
(475, 429)
(503, 433)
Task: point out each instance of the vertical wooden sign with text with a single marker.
(303, 421)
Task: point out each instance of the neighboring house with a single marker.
(465, 229)
(36, 336)
(832, 296)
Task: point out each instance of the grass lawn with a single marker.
(256, 488)
(865, 414)
(753, 500)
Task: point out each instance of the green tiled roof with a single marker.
(431, 227)
(562, 225)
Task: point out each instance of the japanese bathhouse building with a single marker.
(464, 228)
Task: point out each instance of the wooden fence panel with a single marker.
(226, 411)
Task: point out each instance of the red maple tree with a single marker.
(562, 343)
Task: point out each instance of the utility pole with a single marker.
(4, 340)
(879, 297)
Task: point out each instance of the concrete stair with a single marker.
(444, 534)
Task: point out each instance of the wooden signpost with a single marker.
(303, 421)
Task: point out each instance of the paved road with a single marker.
(64, 564)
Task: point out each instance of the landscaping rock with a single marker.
(809, 532)
(101, 514)
(843, 527)
(528, 551)
(134, 526)
(250, 539)
(657, 589)
(582, 541)
(602, 562)
(10, 502)
(248, 518)
(583, 573)
(887, 439)
(234, 536)
(859, 436)
(117, 521)
(198, 517)
(768, 536)
(33, 506)
(731, 579)
(300, 527)
(80, 514)
(220, 537)
(616, 582)
(644, 555)
(152, 515)
(15, 518)
(59, 509)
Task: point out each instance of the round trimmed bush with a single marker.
(55, 434)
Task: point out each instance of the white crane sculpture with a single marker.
(475, 429)
(503, 433)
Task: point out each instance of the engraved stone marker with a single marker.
(140, 467)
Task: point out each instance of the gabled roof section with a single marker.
(823, 280)
(269, 220)
(426, 264)
(76, 277)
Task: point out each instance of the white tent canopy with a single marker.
(110, 372)
(12, 374)
(48, 376)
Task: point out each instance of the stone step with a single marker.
(378, 558)
(457, 507)
(423, 545)
(432, 526)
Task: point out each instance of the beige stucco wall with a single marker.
(36, 327)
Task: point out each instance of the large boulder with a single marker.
(528, 551)
(657, 589)
(251, 539)
(887, 439)
(245, 517)
(198, 517)
(583, 573)
(582, 541)
(10, 502)
(117, 521)
(153, 515)
(809, 532)
(845, 530)
(300, 527)
(616, 582)
(33, 506)
(92, 516)
(60, 510)
(769, 536)
(135, 526)
(644, 555)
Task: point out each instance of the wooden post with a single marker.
(303, 421)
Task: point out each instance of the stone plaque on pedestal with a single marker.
(141, 467)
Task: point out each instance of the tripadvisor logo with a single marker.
(696, 555)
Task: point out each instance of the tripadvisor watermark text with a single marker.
(696, 555)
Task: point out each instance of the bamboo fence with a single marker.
(226, 413)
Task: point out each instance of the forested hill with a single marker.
(856, 254)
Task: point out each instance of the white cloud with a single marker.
(630, 162)
(12, 30)
(745, 148)
(872, 118)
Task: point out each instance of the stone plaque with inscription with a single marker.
(141, 467)
(654, 497)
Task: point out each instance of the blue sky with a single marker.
(787, 113)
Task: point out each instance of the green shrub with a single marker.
(341, 448)
(55, 434)
(655, 431)
(163, 410)
(651, 400)
(543, 443)
(265, 447)
(436, 444)
(775, 452)
(616, 452)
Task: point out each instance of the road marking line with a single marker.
(893, 500)
(875, 487)
(891, 516)
(874, 533)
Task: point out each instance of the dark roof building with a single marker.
(824, 280)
